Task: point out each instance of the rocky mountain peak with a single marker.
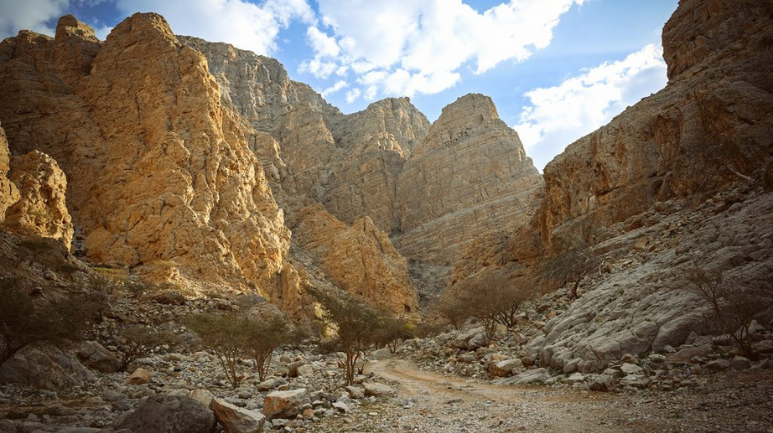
(461, 118)
(69, 25)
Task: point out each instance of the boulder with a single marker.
(686, 355)
(284, 404)
(95, 356)
(740, 363)
(235, 419)
(506, 367)
(140, 376)
(45, 367)
(202, 395)
(271, 383)
(537, 375)
(169, 414)
(378, 389)
(602, 383)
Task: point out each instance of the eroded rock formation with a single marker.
(359, 258)
(708, 129)
(9, 194)
(469, 178)
(161, 176)
(42, 207)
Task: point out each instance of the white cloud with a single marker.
(335, 87)
(322, 44)
(32, 15)
(562, 114)
(237, 22)
(353, 95)
(419, 46)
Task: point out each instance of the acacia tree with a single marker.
(356, 325)
(139, 341)
(491, 298)
(732, 307)
(227, 336)
(391, 331)
(264, 336)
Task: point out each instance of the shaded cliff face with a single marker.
(469, 178)
(707, 130)
(161, 177)
(359, 258)
(673, 183)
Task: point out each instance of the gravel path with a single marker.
(431, 402)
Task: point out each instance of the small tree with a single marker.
(139, 341)
(454, 310)
(23, 323)
(491, 298)
(393, 329)
(227, 335)
(356, 323)
(733, 309)
(266, 335)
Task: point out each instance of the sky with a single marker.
(556, 69)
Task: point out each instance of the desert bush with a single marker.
(356, 325)
(24, 321)
(732, 308)
(264, 336)
(454, 310)
(391, 331)
(227, 335)
(490, 298)
(428, 329)
(139, 341)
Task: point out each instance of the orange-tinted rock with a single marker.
(41, 208)
(359, 258)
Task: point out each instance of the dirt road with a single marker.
(432, 402)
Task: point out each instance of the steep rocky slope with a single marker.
(709, 128)
(358, 258)
(140, 121)
(673, 183)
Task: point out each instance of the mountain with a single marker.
(198, 163)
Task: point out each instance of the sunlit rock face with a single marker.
(160, 175)
(468, 178)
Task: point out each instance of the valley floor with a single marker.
(433, 402)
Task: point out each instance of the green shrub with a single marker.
(139, 341)
(227, 335)
(356, 325)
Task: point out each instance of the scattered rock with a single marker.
(140, 376)
(284, 404)
(169, 414)
(235, 419)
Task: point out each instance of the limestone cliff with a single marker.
(359, 258)
(42, 207)
(674, 182)
(467, 179)
(161, 178)
(9, 193)
(708, 129)
(377, 141)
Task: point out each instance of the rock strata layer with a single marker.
(707, 130)
(468, 178)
